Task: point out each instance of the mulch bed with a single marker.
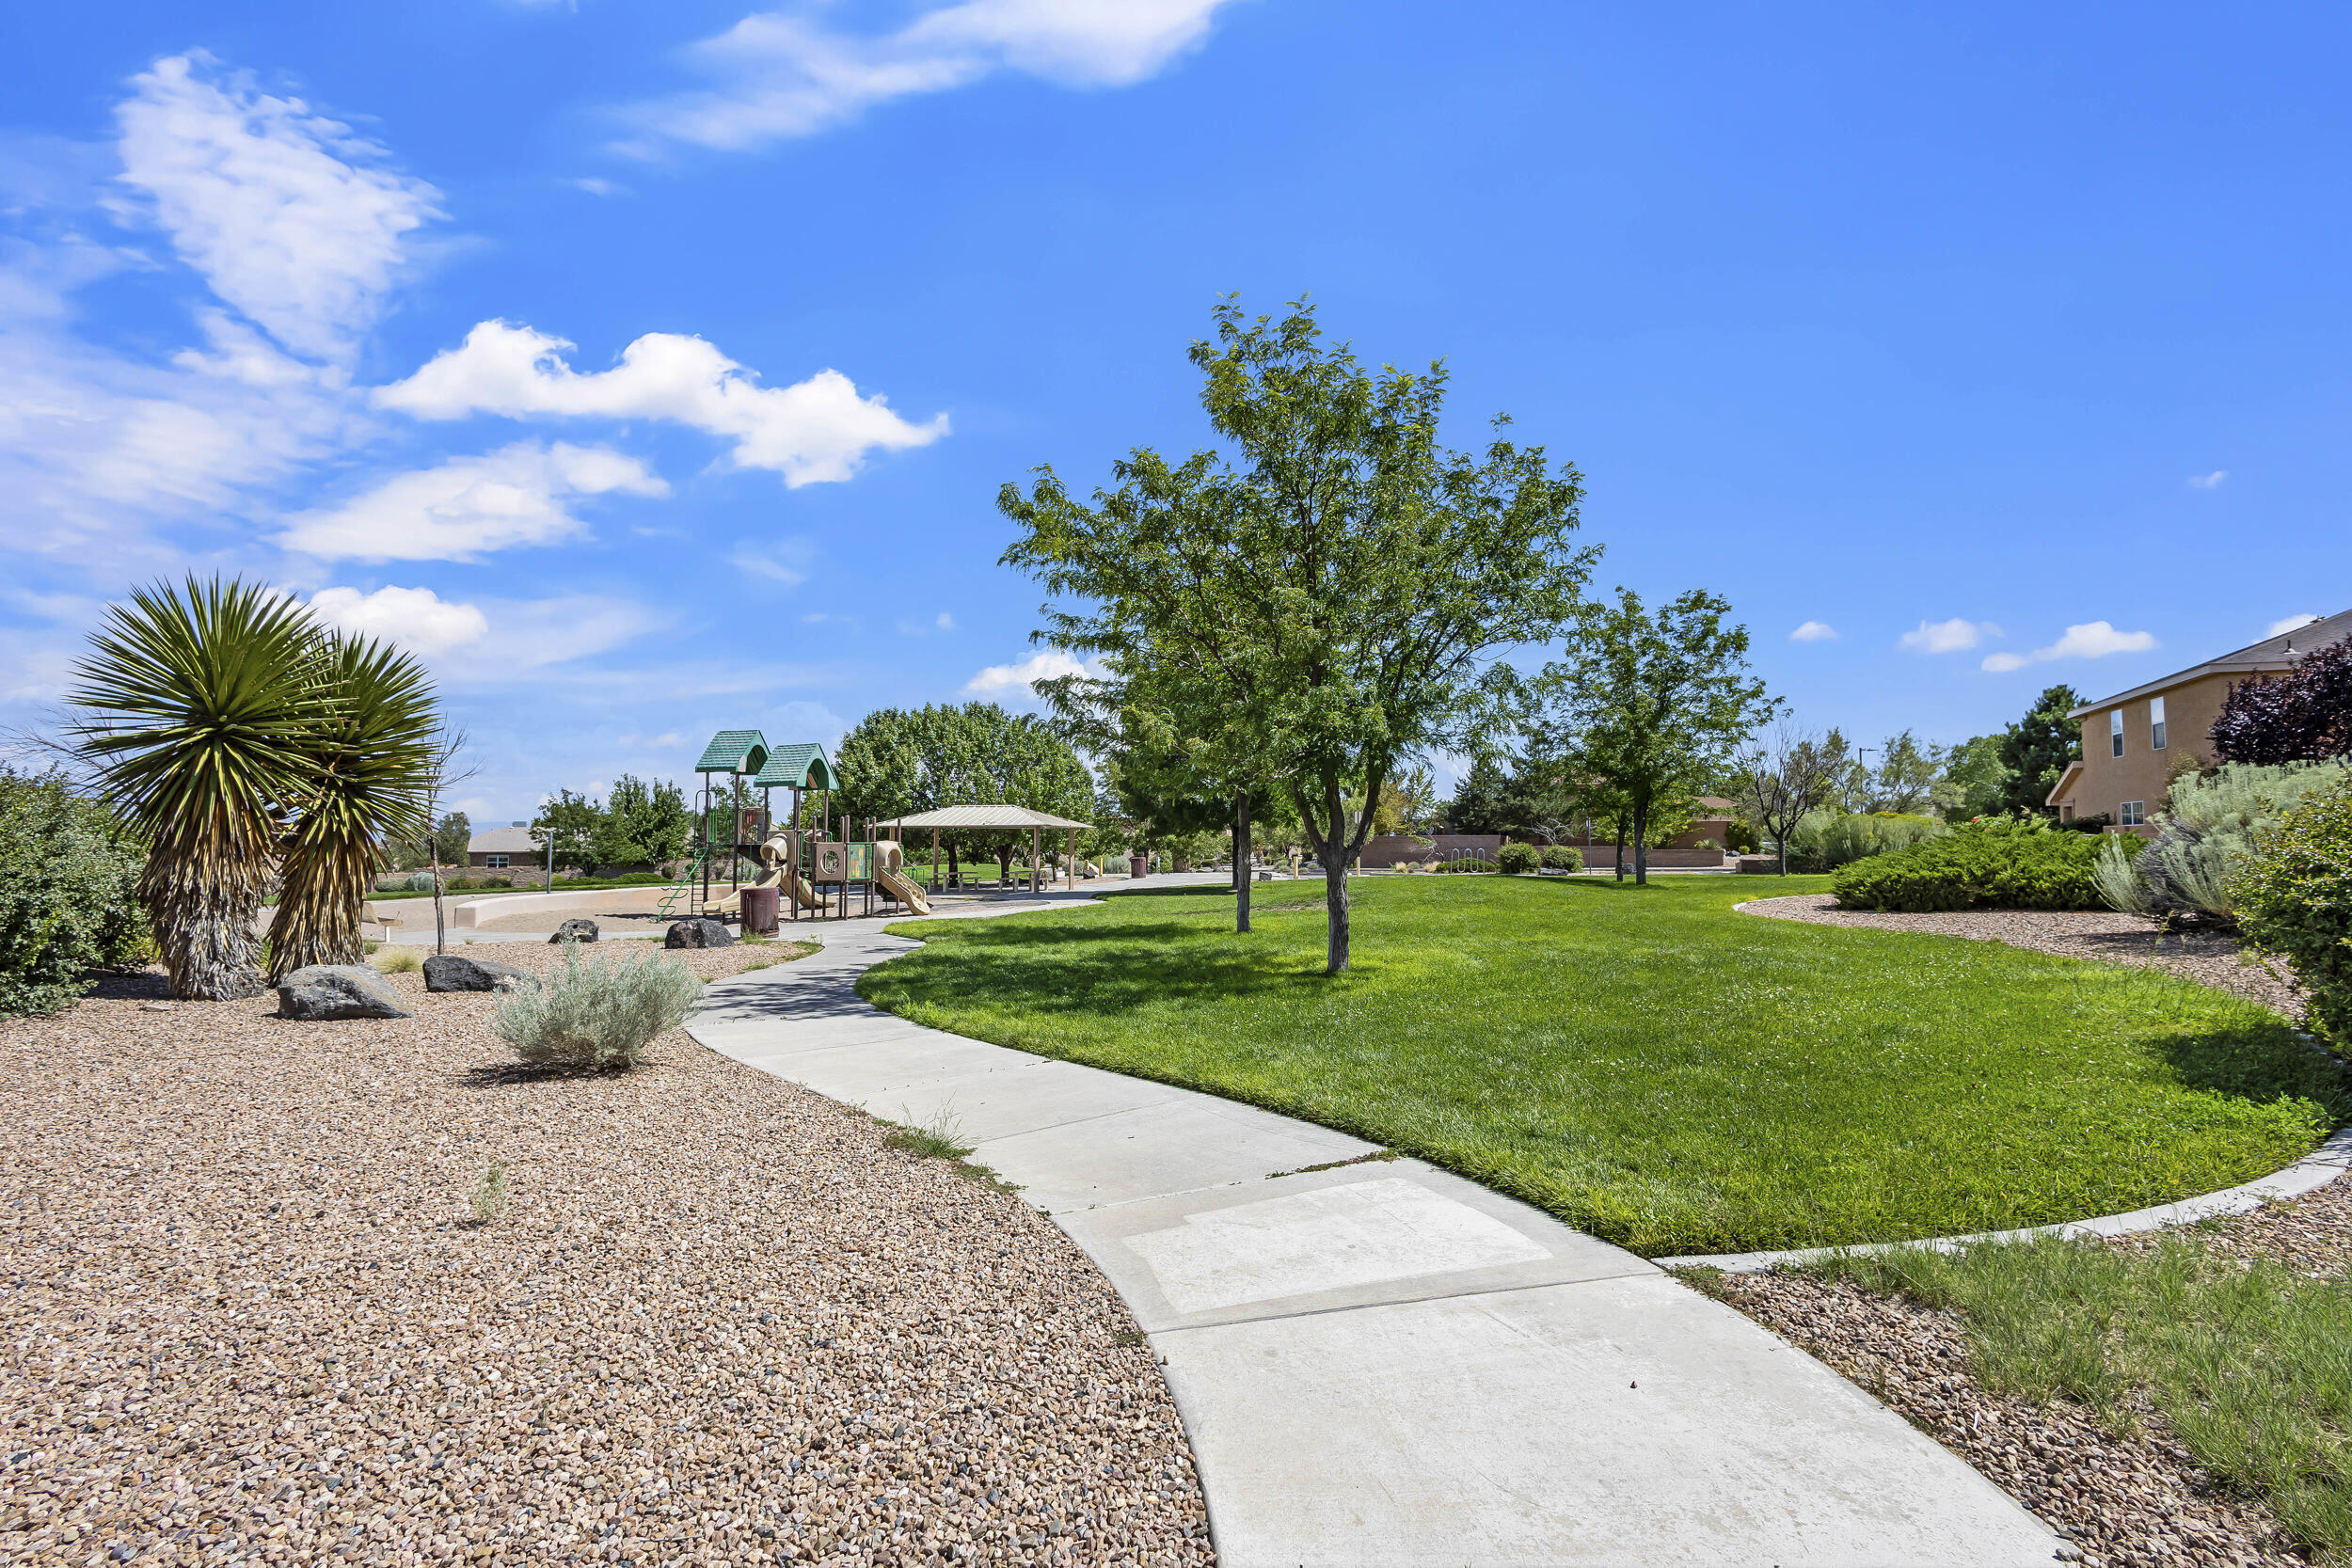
(250, 1316)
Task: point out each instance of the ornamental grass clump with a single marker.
(598, 1017)
(1998, 862)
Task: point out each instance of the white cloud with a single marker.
(1048, 665)
(2090, 640)
(466, 507)
(777, 75)
(416, 618)
(815, 431)
(594, 185)
(947, 622)
(2280, 629)
(787, 560)
(1814, 631)
(288, 216)
(2208, 481)
(529, 635)
(1949, 637)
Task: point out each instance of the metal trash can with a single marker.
(759, 910)
(1138, 865)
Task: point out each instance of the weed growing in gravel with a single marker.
(2244, 1360)
(940, 1138)
(400, 961)
(598, 1016)
(489, 1195)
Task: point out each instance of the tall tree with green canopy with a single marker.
(1338, 594)
(2035, 751)
(1655, 705)
(196, 709)
(372, 753)
(642, 823)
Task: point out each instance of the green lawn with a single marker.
(1652, 1067)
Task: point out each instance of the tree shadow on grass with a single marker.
(2260, 1063)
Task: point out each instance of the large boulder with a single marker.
(453, 972)
(698, 933)
(575, 931)
(318, 991)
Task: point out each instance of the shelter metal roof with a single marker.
(734, 751)
(982, 816)
(800, 765)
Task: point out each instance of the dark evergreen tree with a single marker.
(2036, 750)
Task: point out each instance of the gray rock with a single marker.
(318, 991)
(698, 933)
(449, 972)
(575, 931)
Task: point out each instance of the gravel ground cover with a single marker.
(250, 1316)
(2209, 960)
(2136, 1502)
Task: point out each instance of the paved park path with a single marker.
(1382, 1364)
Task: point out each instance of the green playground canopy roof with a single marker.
(798, 767)
(734, 751)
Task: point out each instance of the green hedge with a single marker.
(1564, 857)
(65, 904)
(2002, 863)
(2295, 898)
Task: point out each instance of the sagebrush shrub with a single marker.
(2294, 899)
(598, 1016)
(66, 909)
(1998, 862)
(1518, 859)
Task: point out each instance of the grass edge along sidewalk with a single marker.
(1649, 1066)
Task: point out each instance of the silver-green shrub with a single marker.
(598, 1015)
(2207, 835)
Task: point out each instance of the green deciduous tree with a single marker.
(643, 823)
(1972, 781)
(1654, 705)
(569, 822)
(1334, 599)
(451, 837)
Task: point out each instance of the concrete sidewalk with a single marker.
(1379, 1363)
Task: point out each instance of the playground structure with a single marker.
(818, 875)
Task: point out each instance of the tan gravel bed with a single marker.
(249, 1317)
(2137, 1502)
(2104, 934)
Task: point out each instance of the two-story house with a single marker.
(2134, 741)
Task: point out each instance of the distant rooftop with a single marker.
(2267, 656)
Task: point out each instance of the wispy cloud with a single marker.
(814, 431)
(775, 76)
(1949, 637)
(469, 507)
(598, 185)
(1814, 631)
(2208, 481)
(787, 560)
(2280, 629)
(2091, 640)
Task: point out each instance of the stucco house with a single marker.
(503, 848)
(2136, 740)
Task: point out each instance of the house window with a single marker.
(2156, 722)
(494, 862)
(2132, 814)
(2115, 731)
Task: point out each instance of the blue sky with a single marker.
(653, 369)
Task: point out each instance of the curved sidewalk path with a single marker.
(1382, 1364)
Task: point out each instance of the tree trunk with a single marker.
(1641, 846)
(204, 931)
(1619, 867)
(1334, 880)
(1241, 863)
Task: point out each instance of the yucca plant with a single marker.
(199, 707)
(371, 754)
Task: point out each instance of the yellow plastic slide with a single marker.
(904, 890)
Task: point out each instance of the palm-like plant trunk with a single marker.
(203, 925)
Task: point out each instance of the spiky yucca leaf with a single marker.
(197, 707)
(371, 754)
